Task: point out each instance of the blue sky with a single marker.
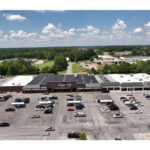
(73, 28)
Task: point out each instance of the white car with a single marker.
(140, 104)
(35, 116)
(118, 115)
(105, 109)
(138, 111)
(50, 129)
(39, 109)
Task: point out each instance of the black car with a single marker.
(133, 108)
(40, 106)
(70, 104)
(109, 104)
(53, 97)
(4, 124)
(48, 111)
(73, 135)
(9, 109)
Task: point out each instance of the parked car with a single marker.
(39, 109)
(50, 129)
(2, 99)
(18, 100)
(70, 104)
(138, 111)
(21, 106)
(113, 107)
(117, 115)
(140, 104)
(9, 109)
(53, 97)
(79, 106)
(35, 116)
(125, 100)
(73, 135)
(121, 98)
(80, 114)
(70, 109)
(133, 108)
(128, 103)
(105, 109)
(26, 100)
(129, 94)
(109, 104)
(48, 111)
(4, 124)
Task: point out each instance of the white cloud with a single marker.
(119, 25)
(53, 32)
(21, 34)
(88, 28)
(137, 30)
(14, 17)
(147, 24)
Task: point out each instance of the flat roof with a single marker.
(18, 81)
(128, 78)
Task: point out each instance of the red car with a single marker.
(26, 100)
(70, 109)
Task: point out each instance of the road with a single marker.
(69, 69)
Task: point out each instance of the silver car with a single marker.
(35, 116)
(80, 114)
(118, 115)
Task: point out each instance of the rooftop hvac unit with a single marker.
(75, 75)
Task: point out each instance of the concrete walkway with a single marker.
(69, 69)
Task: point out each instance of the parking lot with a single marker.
(96, 125)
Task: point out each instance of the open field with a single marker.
(96, 125)
(76, 68)
(47, 63)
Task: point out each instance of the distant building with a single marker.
(125, 53)
(67, 59)
(108, 60)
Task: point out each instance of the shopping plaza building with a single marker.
(76, 82)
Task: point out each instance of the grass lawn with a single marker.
(84, 61)
(48, 63)
(62, 72)
(76, 68)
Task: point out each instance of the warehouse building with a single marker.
(61, 83)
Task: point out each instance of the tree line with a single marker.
(22, 67)
(74, 54)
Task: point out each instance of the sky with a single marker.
(48, 28)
